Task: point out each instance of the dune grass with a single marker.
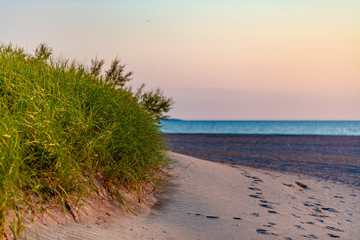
(62, 127)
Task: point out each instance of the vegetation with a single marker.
(63, 126)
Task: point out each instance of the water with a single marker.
(326, 149)
(322, 128)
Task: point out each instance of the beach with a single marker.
(209, 200)
(179, 120)
(329, 157)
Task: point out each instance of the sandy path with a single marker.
(208, 200)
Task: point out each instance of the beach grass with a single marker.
(61, 129)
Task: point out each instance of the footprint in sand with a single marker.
(273, 212)
(319, 208)
(265, 232)
(255, 214)
(299, 227)
(308, 204)
(329, 209)
(202, 215)
(289, 185)
(198, 214)
(294, 215)
(262, 231)
(266, 206)
(212, 216)
(311, 236)
(319, 215)
(334, 229)
(269, 224)
(333, 235)
(255, 179)
(256, 196)
(264, 201)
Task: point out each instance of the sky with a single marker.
(219, 60)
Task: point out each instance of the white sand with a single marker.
(204, 200)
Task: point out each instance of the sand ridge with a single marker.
(208, 200)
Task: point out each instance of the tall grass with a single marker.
(61, 127)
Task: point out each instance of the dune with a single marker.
(208, 200)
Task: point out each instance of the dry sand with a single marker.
(207, 200)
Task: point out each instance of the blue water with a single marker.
(325, 128)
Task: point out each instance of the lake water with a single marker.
(326, 149)
(323, 128)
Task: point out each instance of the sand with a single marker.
(208, 200)
(329, 157)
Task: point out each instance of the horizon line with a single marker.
(255, 120)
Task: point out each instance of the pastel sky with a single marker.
(219, 60)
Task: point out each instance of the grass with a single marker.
(61, 128)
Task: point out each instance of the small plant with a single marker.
(154, 101)
(96, 65)
(16, 226)
(116, 75)
(43, 52)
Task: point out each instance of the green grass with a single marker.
(61, 128)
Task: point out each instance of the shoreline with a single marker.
(264, 134)
(209, 200)
(331, 157)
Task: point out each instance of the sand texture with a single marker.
(208, 200)
(329, 157)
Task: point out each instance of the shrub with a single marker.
(62, 126)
